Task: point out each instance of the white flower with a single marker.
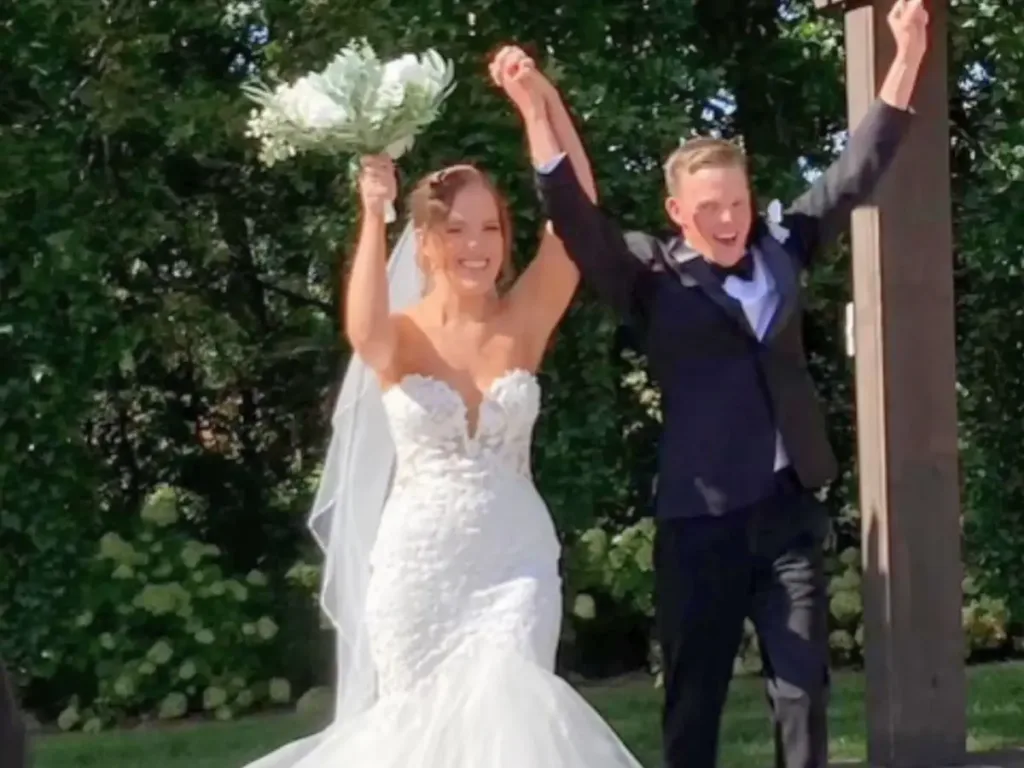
(584, 607)
(356, 105)
(404, 69)
(161, 507)
(187, 671)
(124, 686)
(214, 697)
(266, 628)
(238, 13)
(160, 653)
(307, 105)
(173, 706)
(69, 718)
(401, 75)
(205, 637)
(280, 691)
(774, 221)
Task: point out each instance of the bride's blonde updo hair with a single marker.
(431, 200)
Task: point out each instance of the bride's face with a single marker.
(466, 250)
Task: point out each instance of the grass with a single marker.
(995, 711)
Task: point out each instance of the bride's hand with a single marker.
(377, 184)
(515, 72)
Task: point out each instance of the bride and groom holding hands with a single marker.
(442, 569)
(447, 594)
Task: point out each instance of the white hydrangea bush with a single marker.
(167, 633)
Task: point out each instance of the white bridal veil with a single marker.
(346, 513)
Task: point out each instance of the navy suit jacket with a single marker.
(725, 393)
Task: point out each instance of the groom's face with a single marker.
(712, 207)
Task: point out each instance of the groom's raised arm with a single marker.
(609, 261)
(822, 213)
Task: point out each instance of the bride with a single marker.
(442, 560)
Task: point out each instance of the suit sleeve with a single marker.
(822, 213)
(609, 262)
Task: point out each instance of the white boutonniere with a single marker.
(774, 221)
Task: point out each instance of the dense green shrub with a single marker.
(617, 571)
(165, 631)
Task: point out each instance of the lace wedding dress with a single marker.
(464, 603)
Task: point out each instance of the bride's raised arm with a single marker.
(544, 291)
(367, 321)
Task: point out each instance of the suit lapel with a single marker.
(691, 268)
(780, 265)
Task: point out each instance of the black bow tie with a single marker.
(742, 269)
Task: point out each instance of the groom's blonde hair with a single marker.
(698, 153)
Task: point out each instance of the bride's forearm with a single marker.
(367, 318)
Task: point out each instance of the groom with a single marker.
(717, 310)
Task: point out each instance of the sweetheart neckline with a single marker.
(471, 426)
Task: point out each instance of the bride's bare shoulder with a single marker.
(411, 341)
(410, 323)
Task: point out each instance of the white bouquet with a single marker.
(358, 105)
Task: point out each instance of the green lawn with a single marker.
(996, 712)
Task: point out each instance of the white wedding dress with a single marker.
(465, 602)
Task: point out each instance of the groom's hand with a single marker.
(908, 21)
(516, 73)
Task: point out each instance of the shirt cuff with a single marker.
(892, 111)
(551, 165)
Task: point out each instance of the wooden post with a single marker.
(906, 415)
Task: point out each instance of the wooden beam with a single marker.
(906, 418)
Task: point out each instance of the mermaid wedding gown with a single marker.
(464, 602)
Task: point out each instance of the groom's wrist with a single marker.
(534, 115)
(909, 56)
(549, 166)
(543, 141)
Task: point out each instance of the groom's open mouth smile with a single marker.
(726, 239)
